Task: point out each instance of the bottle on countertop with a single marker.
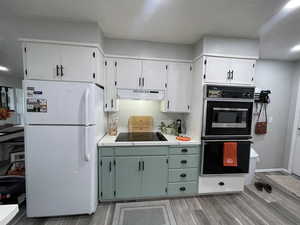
(179, 127)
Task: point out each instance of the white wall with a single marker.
(10, 81)
(129, 108)
(231, 47)
(147, 49)
(276, 76)
(13, 29)
(293, 123)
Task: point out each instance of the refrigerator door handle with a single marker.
(86, 145)
(86, 107)
(86, 115)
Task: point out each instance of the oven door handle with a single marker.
(230, 109)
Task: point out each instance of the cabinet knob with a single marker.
(182, 189)
(184, 150)
(183, 175)
(221, 183)
(183, 161)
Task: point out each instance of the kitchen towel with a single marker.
(230, 154)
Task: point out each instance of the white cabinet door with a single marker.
(79, 63)
(100, 69)
(41, 61)
(129, 73)
(154, 75)
(110, 102)
(179, 87)
(243, 71)
(217, 70)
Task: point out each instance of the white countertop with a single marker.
(111, 141)
(7, 213)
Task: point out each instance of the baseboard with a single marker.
(271, 170)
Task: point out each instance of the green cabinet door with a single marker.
(128, 177)
(155, 176)
(107, 176)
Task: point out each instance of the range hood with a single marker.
(140, 94)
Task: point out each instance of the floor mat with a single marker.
(144, 213)
(290, 183)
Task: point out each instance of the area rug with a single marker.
(290, 183)
(144, 213)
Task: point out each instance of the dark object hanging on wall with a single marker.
(261, 127)
(262, 97)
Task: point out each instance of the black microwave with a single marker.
(227, 118)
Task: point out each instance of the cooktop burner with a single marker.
(141, 136)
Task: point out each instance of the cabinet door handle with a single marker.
(112, 103)
(143, 165)
(231, 75)
(143, 81)
(57, 70)
(168, 104)
(228, 75)
(183, 161)
(182, 189)
(110, 166)
(139, 81)
(61, 70)
(183, 175)
(221, 183)
(139, 165)
(184, 150)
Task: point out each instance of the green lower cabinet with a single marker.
(108, 179)
(155, 176)
(128, 177)
(187, 188)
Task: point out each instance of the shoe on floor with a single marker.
(259, 186)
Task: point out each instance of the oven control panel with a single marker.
(215, 91)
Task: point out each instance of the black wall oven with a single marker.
(213, 157)
(228, 111)
(228, 118)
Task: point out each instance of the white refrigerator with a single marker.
(63, 122)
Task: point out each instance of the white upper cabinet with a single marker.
(78, 63)
(110, 90)
(43, 61)
(128, 73)
(217, 69)
(242, 71)
(141, 74)
(222, 70)
(154, 75)
(178, 88)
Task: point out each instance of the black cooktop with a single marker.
(141, 136)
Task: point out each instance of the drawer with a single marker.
(183, 175)
(182, 188)
(221, 184)
(184, 150)
(104, 151)
(183, 161)
(143, 151)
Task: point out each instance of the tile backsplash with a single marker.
(129, 108)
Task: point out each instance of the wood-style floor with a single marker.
(249, 208)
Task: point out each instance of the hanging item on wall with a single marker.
(262, 126)
(4, 114)
(262, 97)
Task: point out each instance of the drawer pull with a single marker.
(183, 161)
(184, 150)
(183, 175)
(221, 183)
(182, 189)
